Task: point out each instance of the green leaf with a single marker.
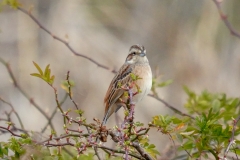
(46, 72)
(79, 111)
(52, 78)
(3, 151)
(188, 145)
(53, 132)
(13, 3)
(216, 104)
(38, 68)
(44, 76)
(36, 75)
(165, 83)
(138, 124)
(133, 76)
(151, 149)
(187, 133)
(89, 156)
(235, 103)
(179, 137)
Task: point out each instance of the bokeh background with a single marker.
(186, 41)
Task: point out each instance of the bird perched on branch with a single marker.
(136, 64)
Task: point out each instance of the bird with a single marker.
(136, 64)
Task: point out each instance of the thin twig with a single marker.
(53, 113)
(225, 19)
(57, 102)
(23, 92)
(231, 140)
(63, 136)
(59, 144)
(121, 151)
(16, 129)
(12, 133)
(64, 41)
(75, 104)
(140, 134)
(69, 90)
(169, 106)
(17, 115)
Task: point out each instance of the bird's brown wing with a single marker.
(114, 92)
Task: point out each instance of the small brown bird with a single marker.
(136, 63)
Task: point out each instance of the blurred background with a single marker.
(186, 41)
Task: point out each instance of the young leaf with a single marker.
(46, 70)
(165, 83)
(38, 68)
(36, 75)
(44, 76)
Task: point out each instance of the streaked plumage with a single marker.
(136, 63)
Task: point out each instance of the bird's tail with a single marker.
(105, 118)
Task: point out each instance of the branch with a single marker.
(53, 113)
(120, 151)
(169, 106)
(81, 55)
(141, 150)
(17, 115)
(16, 135)
(64, 41)
(45, 142)
(225, 19)
(57, 102)
(231, 140)
(70, 91)
(59, 144)
(23, 92)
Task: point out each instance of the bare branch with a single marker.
(169, 106)
(70, 91)
(64, 41)
(53, 113)
(13, 110)
(23, 92)
(12, 133)
(225, 19)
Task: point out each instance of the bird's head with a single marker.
(137, 54)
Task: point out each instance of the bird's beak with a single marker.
(142, 54)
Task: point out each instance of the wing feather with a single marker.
(114, 92)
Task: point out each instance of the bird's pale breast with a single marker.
(145, 83)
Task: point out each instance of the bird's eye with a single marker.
(134, 53)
